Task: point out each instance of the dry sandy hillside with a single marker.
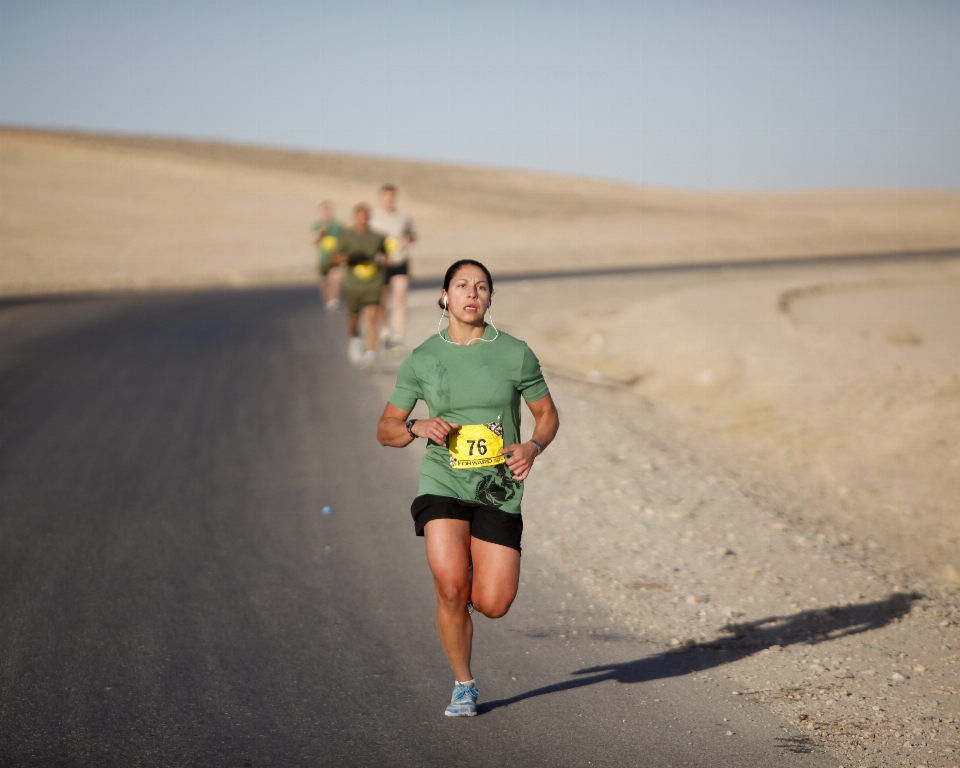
(87, 212)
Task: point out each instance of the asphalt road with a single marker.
(172, 594)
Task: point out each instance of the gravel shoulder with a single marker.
(678, 552)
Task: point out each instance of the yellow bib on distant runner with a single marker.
(476, 445)
(366, 271)
(328, 243)
(390, 245)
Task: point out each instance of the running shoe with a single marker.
(464, 701)
(355, 350)
(332, 306)
(368, 360)
(385, 336)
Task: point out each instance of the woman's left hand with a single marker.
(520, 458)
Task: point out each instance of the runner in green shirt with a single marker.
(325, 236)
(471, 377)
(362, 251)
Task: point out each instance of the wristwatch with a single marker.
(410, 424)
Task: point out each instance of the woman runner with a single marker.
(471, 377)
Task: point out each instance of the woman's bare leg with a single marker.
(448, 555)
(496, 576)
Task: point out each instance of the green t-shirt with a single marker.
(334, 229)
(361, 247)
(478, 384)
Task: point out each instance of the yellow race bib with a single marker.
(367, 270)
(328, 243)
(390, 245)
(476, 445)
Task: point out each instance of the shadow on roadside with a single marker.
(799, 745)
(742, 640)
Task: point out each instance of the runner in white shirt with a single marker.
(398, 230)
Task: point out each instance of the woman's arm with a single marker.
(547, 423)
(392, 428)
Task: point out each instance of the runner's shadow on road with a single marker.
(739, 641)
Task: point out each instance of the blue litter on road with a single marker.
(326, 510)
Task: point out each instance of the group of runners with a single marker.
(367, 266)
(472, 378)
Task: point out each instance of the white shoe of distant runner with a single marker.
(332, 306)
(355, 350)
(368, 360)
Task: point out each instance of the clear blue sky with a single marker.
(694, 94)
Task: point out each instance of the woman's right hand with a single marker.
(392, 428)
(435, 429)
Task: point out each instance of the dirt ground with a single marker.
(758, 462)
(835, 390)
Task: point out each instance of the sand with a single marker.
(85, 212)
(834, 391)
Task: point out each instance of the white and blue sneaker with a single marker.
(464, 701)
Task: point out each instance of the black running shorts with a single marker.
(400, 268)
(486, 523)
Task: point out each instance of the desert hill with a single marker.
(89, 212)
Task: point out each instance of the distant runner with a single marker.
(326, 233)
(398, 229)
(471, 377)
(362, 251)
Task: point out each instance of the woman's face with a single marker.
(468, 295)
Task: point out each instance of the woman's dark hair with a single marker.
(456, 267)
